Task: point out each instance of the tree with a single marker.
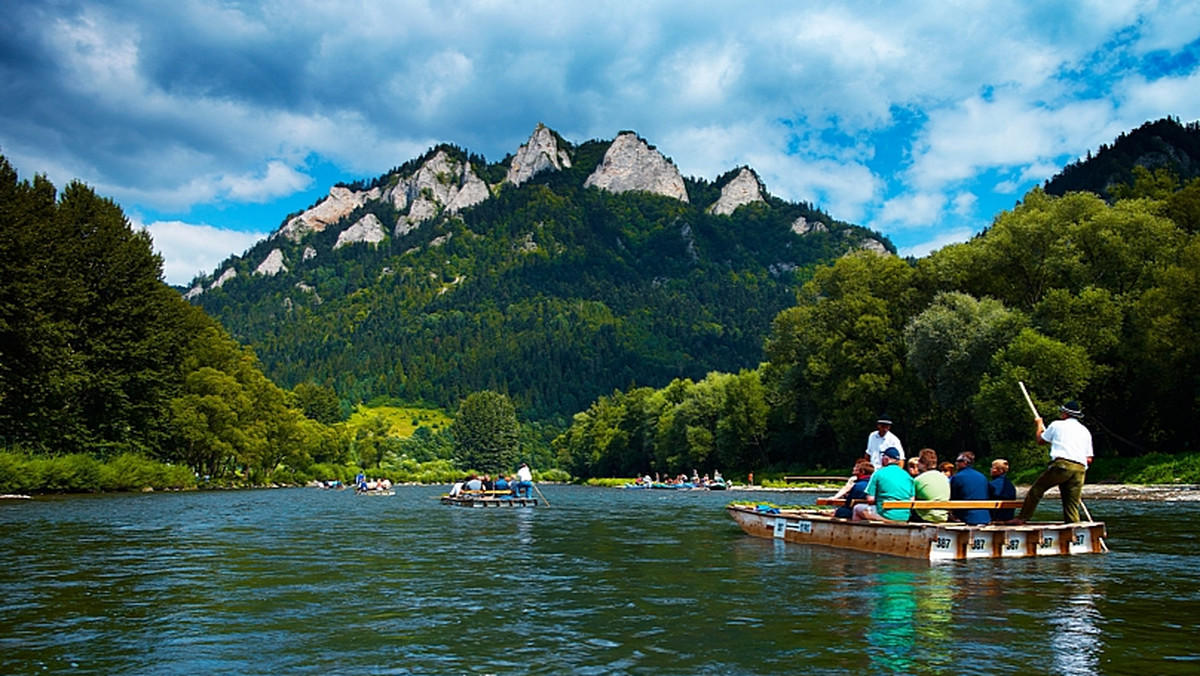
(486, 433)
(318, 402)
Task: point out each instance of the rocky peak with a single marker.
(742, 190)
(272, 265)
(368, 229)
(540, 153)
(443, 183)
(340, 202)
(630, 164)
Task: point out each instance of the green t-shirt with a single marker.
(932, 485)
(891, 483)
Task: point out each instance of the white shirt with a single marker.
(1069, 440)
(876, 445)
(524, 474)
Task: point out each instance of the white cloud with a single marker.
(189, 250)
(912, 210)
(943, 238)
(279, 180)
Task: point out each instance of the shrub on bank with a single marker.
(77, 473)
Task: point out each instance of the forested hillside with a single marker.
(1078, 298)
(545, 288)
(1162, 144)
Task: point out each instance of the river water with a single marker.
(603, 581)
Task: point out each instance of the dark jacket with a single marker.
(970, 484)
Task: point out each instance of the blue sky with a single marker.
(209, 121)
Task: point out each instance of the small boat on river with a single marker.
(375, 492)
(929, 541)
(488, 499)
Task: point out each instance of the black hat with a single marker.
(1072, 408)
(884, 419)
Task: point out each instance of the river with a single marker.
(602, 581)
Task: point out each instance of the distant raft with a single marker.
(929, 541)
(488, 499)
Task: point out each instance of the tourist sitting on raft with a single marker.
(930, 484)
(889, 482)
(1001, 488)
(855, 488)
(969, 483)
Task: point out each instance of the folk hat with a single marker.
(884, 419)
(1072, 408)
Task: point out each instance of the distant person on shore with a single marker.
(882, 438)
(930, 484)
(524, 485)
(855, 488)
(1070, 454)
(889, 482)
(969, 483)
(1001, 488)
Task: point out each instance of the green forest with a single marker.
(641, 334)
(551, 293)
(110, 380)
(1076, 297)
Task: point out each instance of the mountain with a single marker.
(1161, 144)
(556, 275)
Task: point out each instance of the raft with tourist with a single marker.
(947, 541)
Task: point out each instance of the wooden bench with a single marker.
(816, 479)
(932, 504)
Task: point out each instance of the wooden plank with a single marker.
(952, 504)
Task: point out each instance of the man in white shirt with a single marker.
(524, 481)
(882, 439)
(1070, 454)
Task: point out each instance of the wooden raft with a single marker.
(928, 541)
(488, 499)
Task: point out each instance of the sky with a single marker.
(210, 121)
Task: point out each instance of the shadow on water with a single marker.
(605, 581)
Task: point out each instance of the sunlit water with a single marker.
(602, 581)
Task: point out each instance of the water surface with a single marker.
(603, 581)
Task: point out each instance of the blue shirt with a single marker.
(970, 484)
(1001, 488)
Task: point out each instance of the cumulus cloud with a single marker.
(189, 250)
(903, 116)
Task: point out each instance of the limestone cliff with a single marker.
(744, 189)
(368, 229)
(272, 265)
(442, 184)
(540, 153)
(630, 164)
(340, 202)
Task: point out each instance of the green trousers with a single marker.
(1068, 476)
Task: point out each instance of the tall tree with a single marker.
(486, 433)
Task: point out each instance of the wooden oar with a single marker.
(539, 492)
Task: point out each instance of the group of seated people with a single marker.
(363, 484)
(924, 479)
(483, 486)
(681, 480)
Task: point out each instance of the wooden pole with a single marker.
(539, 492)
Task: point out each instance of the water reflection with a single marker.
(1075, 639)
